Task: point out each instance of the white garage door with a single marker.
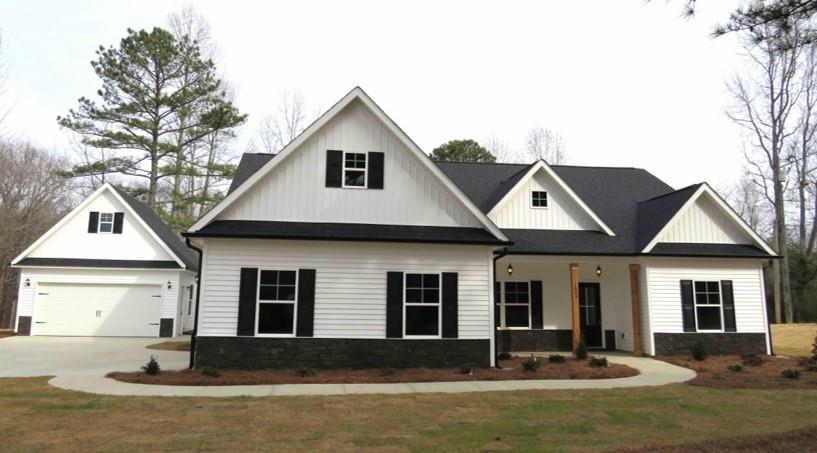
(97, 310)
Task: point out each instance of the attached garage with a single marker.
(97, 310)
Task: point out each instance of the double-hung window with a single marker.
(276, 302)
(517, 304)
(422, 305)
(354, 170)
(708, 306)
(539, 199)
(190, 300)
(105, 222)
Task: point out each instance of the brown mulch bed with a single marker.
(512, 369)
(6, 333)
(713, 372)
(798, 440)
(170, 346)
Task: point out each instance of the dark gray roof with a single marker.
(155, 223)
(75, 262)
(708, 250)
(345, 232)
(249, 164)
(654, 213)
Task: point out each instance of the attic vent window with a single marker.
(539, 199)
(106, 222)
(354, 170)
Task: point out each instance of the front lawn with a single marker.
(793, 339)
(38, 417)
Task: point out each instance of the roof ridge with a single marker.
(475, 163)
(673, 192)
(602, 167)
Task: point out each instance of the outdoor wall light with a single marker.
(598, 271)
(28, 283)
(510, 269)
(169, 285)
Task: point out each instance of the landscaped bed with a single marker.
(756, 372)
(511, 369)
(170, 346)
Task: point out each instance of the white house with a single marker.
(111, 267)
(351, 248)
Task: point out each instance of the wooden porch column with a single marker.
(635, 297)
(574, 298)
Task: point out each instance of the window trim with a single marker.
(547, 199)
(365, 171)
(695, 306)
(100, 222)
(502, 317)
(415, 304)
(190, 300)
(293, 302)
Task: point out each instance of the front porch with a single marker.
(549, 303)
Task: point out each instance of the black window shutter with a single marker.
(536, 309)
(376, 170)
(306, 302)
(334, 169)
(247, 291)
(394, 305)
(450, 302)
(687, 306)
(118, 217)
(497, 318)
(93, 222)
(728, 300)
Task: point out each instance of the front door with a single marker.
(590, 314)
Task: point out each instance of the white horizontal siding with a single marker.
(296, 190)
(703, 222)
(664, 292)
(350, 282)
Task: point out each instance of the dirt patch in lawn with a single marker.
(511, 369)
(170, 346)
(797, 440)
(757, 372)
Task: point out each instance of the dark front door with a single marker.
(590, 314)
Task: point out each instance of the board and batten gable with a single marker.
(350, 282)
(72, 239)
(704, 223)
(562, 211)
(295, 191)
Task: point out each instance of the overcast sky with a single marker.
(627, 83)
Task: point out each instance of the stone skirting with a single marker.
(534, 340)
(732, 343)
(24, 325)
(270, 353)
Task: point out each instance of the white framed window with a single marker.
(354, 170)
(539, 199)
(105, 222)
(275, 311)
(516, 305)
(189, 300)
(708, 306)
(422, 315)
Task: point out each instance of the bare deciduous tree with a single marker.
(547, 145)
(279, 128)
(498, 148)
(4, 108)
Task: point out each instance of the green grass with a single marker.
(37, 417)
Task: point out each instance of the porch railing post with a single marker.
(574, 298)
(635, 297)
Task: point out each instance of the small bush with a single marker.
(388, 371)
(556, 358)
(700, 351)
(791, 374)
(152, 367)
(814, 350)
(810, 365)
(532, 364)
(504, 356)
(598, 362)
(752, 360)
(210, 371)
(581, 350)
(467, 369)
(305, 371)
(737, 368)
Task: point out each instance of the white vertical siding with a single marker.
(704, 223)
(562, 212)
(350, 282)
(295, 191)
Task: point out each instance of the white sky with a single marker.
(627, 83)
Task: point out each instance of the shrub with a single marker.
(810, 365)
(305, 371)
(598, 362)
(791, 374)
(388, 371)
(532, 364)
(814, 350)
(210, 371)
(737, 368)
(152, 367)
(467, 369)
(581, 350)
(752, 360)
(700, 351)
(556, 358)
(504, 356)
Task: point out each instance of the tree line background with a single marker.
(162, 127)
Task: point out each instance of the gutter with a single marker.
(494, 330)
(198, 299)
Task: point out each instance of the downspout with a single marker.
(766, 310)
(198, 298)
(494, 331)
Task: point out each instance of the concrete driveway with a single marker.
(50, 356)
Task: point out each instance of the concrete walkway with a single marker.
(653, 373)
